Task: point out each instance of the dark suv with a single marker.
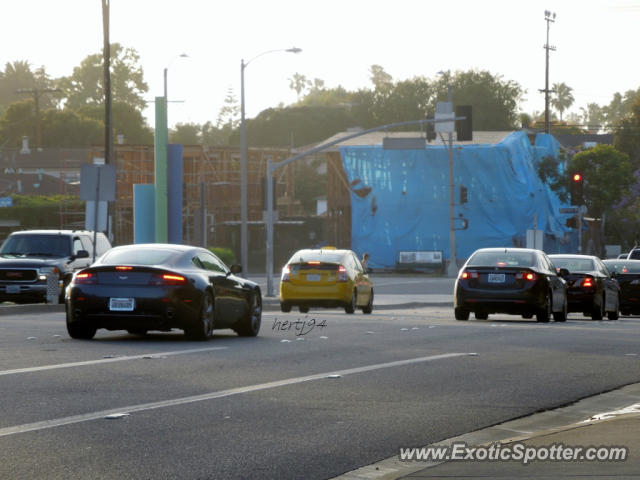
(27, 257)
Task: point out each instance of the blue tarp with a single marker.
(400, 198)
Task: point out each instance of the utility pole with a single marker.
(549, 17)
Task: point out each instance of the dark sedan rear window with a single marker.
(624, 267)
(574, 264)
(137, 257)
(502, 259)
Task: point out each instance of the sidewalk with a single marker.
(608, 420)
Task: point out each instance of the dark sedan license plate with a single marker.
(496, 278)
(122, 304)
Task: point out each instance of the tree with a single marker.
(186, 134)
(126, 121)
(86, 85)
(607, 174)
(562, 97)
(593, 117)
(494, 100)
(229, 112)
(381, 80)
(619, 108)
(299, 83)
(627, 134)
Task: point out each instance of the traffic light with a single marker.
(431, 127)
(463, 194)
(576, 188)
(464, 128)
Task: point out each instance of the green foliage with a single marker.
(627, 135)
(549, 172)
(126, 120)
(562, 97)
(186, 134)
(225, 254)
(38, 211)
(86, 85)
(607, 174)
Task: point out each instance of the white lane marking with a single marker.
(106, 360)
(57, 422)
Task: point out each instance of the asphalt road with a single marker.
(347, 393)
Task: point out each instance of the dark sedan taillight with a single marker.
(469, 275)
(586, 282)
(528, 276)
(167, 279)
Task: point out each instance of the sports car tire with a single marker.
(80, 330)
(202, 327)
(461, 314)
(250, 325)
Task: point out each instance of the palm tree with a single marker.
(562, 97)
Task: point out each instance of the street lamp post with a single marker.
(549, 17)
(166, 69)
(244, 254)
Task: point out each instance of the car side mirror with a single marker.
(236, 268)
(81, 254)
(563, 272)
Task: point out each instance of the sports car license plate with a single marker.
(313, 277)
(122, 304)
(496, 278)
(13, 288)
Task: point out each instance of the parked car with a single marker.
(517, 281)
(28, 256)
(146, 287)
(634, 254)
(325, 277)
(590, 287)
(627, 274)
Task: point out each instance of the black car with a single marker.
(627, 274)
(590, 287)
(517, 281)
(160, 287)
(27, 257)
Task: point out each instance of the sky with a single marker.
(596, 43)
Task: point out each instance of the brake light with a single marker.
(528, 276)
(342, 274)
(85, 278)
(167, 279)
(313, 263)
(124, 268)
(286, 272)
(587, 282)
(468, 275)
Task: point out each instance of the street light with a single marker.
(182, 55)
(243, 160)
(548, 17)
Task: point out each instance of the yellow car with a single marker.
(325, 277)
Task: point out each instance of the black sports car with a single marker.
(518, 281)
(159, 287)
(627, 273)
(590, 288)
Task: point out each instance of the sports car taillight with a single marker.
(167, 279)
(286, 271)
(468, 275)
(528, 276)
(85, 278)
(342, 274)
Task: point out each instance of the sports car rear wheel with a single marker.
(79, 329)
(202, 327)
(250, 325)
(461, 314)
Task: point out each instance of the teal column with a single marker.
(143, 214)
(161, 141)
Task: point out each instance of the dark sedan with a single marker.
(160, 287)
(517, 281)
(590, 287)
(627, 274)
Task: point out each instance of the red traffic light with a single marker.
(577, 177)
